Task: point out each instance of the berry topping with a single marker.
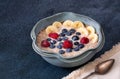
(52, 46)
(65, 38)
(61, 43)
(59, 46)
(69, 50)
(84, 40)
(81, 45)
(76, 49)
(67, 44)
(59, 39)
(53, 42)
(75, 38)
(68, 33)
(62, 34)
(72, 31)
(76, 43)
(64, 30)
(48, 39)
(78, 33)
(61, 51)
(45, 43)
(53, 35)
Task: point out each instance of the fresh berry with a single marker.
(75, 38)
(59, 39)
(61, 51)
(69, 50)
(76, 43)
(72, 31)
(67, 44)
(45, 43)
(48, 39)
(52, 46)
(64, 30)
(53, 35)
(68, 33)
(62, 34)
(59, 46)
(64, 38)
(78, 33)
(81, 45)
(61, 43)
(53, 42)
(84, 40)
(76, 49)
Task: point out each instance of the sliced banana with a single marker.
(93, 38)
(83, 31)
(57, 24)
(68, 23)
(51, 29)
(78, 24)
(90, 29)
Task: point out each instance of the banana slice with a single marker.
(57, 24)
(90, 29)
(51, 29)
(83, 31)
(93, 38)
(68, 23)
(78, 24)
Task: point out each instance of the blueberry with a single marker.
(75, 38)
(78, 33)
(65, 38)
(62, 34)
(81, 45)
(69, 50)
(61, 51)
(53, 42)
(48, 39)
(59, 46)
(59, 39)
(64, 30)
(61, 43)
(52, 46)
(76, 43)
(68, 33)
(76, 49)
(72, 30)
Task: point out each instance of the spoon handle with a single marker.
(89, 75)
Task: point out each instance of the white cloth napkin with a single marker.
(114, 73)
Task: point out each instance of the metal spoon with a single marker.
(102, 68)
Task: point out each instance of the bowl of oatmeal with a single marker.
(67, 39)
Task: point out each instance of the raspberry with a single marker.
(53, 35)
(45, 43)
(67, 44)
(84, 40)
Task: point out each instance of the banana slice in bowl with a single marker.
(83, 31)
(93, 38)
(57, 24)
(90, 29)
(68, 23)
(51, 29)
(78, 24)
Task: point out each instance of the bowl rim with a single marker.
(33, 36)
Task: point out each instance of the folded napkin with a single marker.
(114, 73)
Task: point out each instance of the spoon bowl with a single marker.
(102, 68)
